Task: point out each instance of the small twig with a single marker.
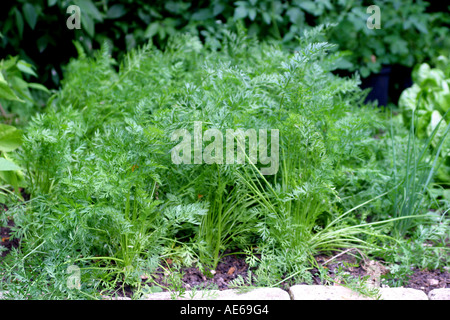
(345, 251)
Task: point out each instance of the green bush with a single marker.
(37, 32)
(408, 34)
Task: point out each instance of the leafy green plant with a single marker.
(419, 170)
(429, 98)
(406, 29)
(17, 101)
(229, 219)
(427, 248)
(37, 31)
(10, 173)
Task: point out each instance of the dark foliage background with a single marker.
(412, 31)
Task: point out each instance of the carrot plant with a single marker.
(106, 195)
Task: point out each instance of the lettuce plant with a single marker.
(429, 98)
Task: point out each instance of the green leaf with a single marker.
(116, 11)
(240, 13)
(37, 86)
(436, 119)
(443, 101)
(152, 29)
(420, 26)
(252, 14)
(7, 93)
(51, 3)
(6, 165)
(202, 14)
(365, 72)
(12, 177)
(88, 24)
(398, 46)
(434, 79)
(144, 16)
(130, 41)
(30, 14)
(266, 17)
(446, 194)
(408, 98)
(26, 68)
(10, 138)
(19, 22)
(309, 7)
(218, 9)
(42, 43)
(421, 73)
(295, 15)
(19, 86)
(89, 9)
(176, 8)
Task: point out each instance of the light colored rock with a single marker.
(433, 282)
(188, 295)
(2, 295)
(402, 294)
(115, 298)
(232, 294)
(315, 292)
(255, 294)
(439, 294)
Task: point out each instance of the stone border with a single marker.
(231, 294)
(304, 292)
(297, 292)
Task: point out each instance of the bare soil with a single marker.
(230, 267)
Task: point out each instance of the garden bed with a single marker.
(129, 192)
(232, 266)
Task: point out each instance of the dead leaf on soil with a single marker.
(231, 271)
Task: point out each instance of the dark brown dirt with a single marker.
(425, 280)
(6, 240)
(230, 267)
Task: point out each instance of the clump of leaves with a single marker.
(19, 97)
